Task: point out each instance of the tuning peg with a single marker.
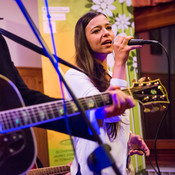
(146, 98)
(152, 108)
(134, 80)
(146, 110)
(154, 97)
(149, 78)
(142, 79)
(155, 108)
(162, 107)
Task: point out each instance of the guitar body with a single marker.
(17, 148)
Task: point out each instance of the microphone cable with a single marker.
(165, 114)
(169, 97)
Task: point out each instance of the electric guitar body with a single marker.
(17, 148)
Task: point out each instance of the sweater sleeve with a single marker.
(122, 84)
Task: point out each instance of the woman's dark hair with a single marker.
(86, 61)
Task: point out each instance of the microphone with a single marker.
(141, 42)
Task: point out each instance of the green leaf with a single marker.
(130, 9)
(130, 58)
(129, 63)
(131, 69)
(88, 5)
(133, 54)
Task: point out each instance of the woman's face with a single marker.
(100, 35)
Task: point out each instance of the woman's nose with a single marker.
(105, 32)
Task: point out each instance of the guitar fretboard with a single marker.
(23, 117)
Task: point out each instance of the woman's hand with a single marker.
(136, 144)
(121, 50)
(121, 102)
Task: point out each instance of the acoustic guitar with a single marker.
(17, 141)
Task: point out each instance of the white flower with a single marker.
(133, 25)
(114, 28)
(104, 6)
(122, 34)
(122, 22)
(128, 2)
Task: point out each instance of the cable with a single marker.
(145, 156)
(165, 114)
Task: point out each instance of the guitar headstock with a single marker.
(149, 92)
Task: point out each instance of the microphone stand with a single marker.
(109, 159)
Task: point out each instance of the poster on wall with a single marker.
(64, 15)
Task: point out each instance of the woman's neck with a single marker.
(102, 59)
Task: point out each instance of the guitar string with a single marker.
(49, 111)
(49, 108)
(52, 111)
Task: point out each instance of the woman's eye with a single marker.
(96, 31)
(109, 28)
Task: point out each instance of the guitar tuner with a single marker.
(162, 108)
(146, 110)
(141, 85)
(162, 97)
(146, 98)
(154, 97)
(155, 109)
(149, 78)
(160, 87)
(156, 83)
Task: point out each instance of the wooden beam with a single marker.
(148, 18)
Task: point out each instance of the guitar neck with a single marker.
(23, 117)
(20, 118)
(50, 170)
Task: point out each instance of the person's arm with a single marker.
(121, 102)
(29, 96)
(121, 51)
(82, 87)
(136, 144)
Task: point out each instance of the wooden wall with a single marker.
(33, 78)
(148, 18)
(151, 122)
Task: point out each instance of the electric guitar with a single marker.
(56, 170)
(17, 143)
